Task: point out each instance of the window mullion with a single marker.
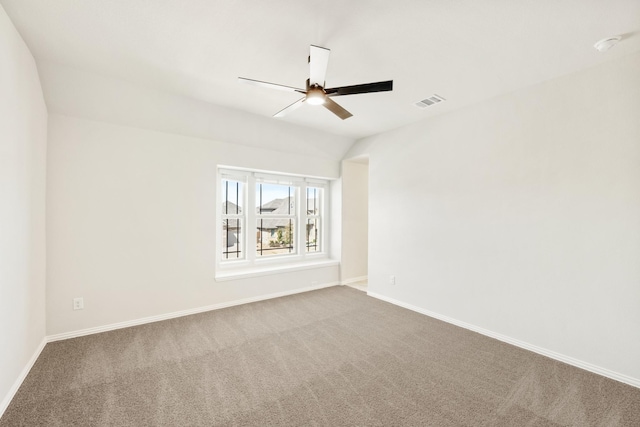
(302, 220)
(250, 238)
(295, 221)
(323, 215)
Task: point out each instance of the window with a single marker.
(232, 218)
(313, 219)
(275, 219)
(267, 218)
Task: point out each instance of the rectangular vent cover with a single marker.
(428, 102)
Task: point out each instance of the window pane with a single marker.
(232, 197)
(275, 199)
(275, 236)
(232, 239)
(313, 200)
(313, 235)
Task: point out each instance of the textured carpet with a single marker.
(331, 357)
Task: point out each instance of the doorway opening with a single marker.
(355, 223)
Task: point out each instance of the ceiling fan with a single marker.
(316, 93)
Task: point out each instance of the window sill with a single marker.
(257, 271)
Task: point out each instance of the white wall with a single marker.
(520, 215)
(23, 141)
(335, 217)
(131, 222)
(355, 211)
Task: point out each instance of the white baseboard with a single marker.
(635, 382)
(354, 280)
(16, 385)
(173, 315)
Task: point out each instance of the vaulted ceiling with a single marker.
(463, 50)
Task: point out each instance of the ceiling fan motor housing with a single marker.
(315, 95)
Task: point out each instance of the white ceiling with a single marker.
(463, 50)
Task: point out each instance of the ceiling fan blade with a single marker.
(363, 88)
(336, 109)
(318, 61)
(290, 108)
(270, 85)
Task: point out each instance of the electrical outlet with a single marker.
(78, 303)
(392, 280)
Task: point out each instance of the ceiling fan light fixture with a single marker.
(315, 96)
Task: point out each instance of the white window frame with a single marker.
(292, 182)
(241, 216)
(250, 263)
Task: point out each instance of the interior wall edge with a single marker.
(25, 371)
(354, 280)
(91, 96)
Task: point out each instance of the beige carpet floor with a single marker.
(333, 357)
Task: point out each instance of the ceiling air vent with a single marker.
(428, 102)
